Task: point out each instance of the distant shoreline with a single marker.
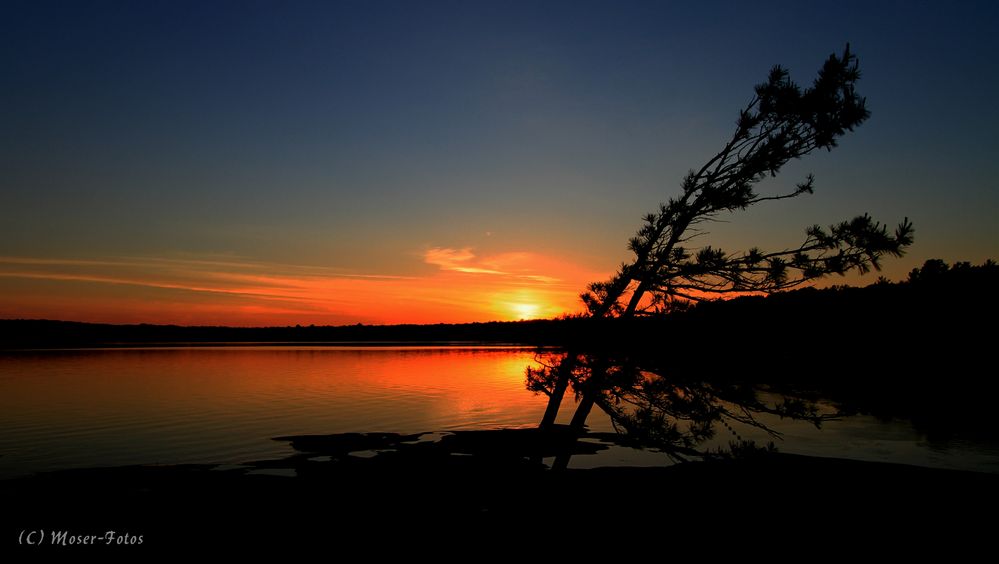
(50, 334)
(921, 314)
(166, 345)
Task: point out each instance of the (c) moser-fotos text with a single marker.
(72, 538)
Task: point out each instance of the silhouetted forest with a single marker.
(938, 304)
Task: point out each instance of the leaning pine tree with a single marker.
(782, 122)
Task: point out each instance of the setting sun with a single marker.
(525, 311)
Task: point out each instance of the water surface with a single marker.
(223, 405)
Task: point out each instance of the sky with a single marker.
(281, 163)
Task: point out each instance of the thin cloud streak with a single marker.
(457, 260)
(141, 283)
(512, 265)
(196, 264)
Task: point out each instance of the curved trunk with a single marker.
(636, 297)
(561, 385)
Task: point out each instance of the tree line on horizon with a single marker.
(934, 277)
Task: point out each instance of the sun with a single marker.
(525, 310)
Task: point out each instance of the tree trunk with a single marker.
(555, 400)
(591, 390)
(636, 297)
(582, 413)
(576, 430)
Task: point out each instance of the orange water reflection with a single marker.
(89, 408)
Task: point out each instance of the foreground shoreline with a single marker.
(490, 495)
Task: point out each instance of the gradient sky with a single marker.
(258, 163)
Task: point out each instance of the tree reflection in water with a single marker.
(653, 407)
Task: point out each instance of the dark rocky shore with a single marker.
(491, 487)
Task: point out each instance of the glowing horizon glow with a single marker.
(196, 291)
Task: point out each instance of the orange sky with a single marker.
(462, 287)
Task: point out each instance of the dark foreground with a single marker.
(489, 489)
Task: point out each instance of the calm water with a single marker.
(68, 409)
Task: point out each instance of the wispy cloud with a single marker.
(148, 283)
(310, 287)
(513, 265)
(253, 266)
(457, 260)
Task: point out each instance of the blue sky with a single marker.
(358, 136)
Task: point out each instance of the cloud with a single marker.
(269, 282)
(457, 260)
(518, 266)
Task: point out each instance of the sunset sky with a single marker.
(265, 163)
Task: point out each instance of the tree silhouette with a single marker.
(781, 122)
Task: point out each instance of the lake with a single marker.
(224, 405)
